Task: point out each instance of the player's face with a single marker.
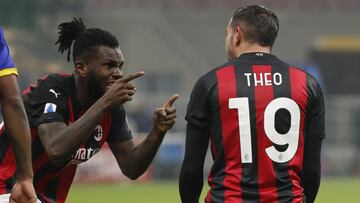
(229, 42)
(104, 69)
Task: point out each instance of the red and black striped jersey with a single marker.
(257, 112)
(54, 99)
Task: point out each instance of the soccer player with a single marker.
(17, 125)
(264, 119)
(72, 116)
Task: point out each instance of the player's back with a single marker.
(258, 108)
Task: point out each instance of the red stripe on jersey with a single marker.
(230, 134)
(266, 174)
(299, 95)
(28, 89)
(8, 168)
(65, 181)
(106, 126)
(71, 112)
(33, 132)
(212, 187)
(42, 158)
(211, 184)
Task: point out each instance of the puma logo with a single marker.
(53, 91)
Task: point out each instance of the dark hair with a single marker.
(84, 39)
(261, 24)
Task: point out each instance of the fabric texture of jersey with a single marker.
(7, 66)
(54, 99)
(257, 112)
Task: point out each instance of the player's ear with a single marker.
(81, 69)
(238, 35)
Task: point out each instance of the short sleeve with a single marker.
(47, 103)
(120, 131)
(197, 110)
(316, 116)
(7, 66)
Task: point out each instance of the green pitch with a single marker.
(332, 190)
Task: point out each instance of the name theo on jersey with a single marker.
(263, 79)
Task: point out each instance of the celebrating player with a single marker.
(20, 185)
(263, 117)
(72, 116)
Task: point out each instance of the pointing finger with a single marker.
(170, 101)
(132, 76)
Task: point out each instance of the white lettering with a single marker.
(79, 153)
(84, 154)
(248, 78)
(258, 81)
(268, 81)
(263, 79)
(89, 152)
(277, 79)
(242, 106)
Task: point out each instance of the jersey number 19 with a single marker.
(291, 138)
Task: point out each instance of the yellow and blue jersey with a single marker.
(7, 66)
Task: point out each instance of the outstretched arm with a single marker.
(55, 135)
(134, 160)
(16, 122)
(191, 175)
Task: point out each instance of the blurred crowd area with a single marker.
(176, 41)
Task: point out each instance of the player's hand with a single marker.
(23, 192)
(164, 118)
(122, 90)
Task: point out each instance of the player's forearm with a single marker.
(311, 185)
(142, 155)
(191, 175)
(62, 146)
(16, 122)
(311, 177)
(190, 183)
(312, 167)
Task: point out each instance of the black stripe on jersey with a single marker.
(4, 145)
(92, 143)
(10, 182)
(249, 177)
(37, 148)
(309, 94)
(282, 125)
(308, 112)
(52, 188)
(218, 169)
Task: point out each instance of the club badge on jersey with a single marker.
(98, 133)
(85, 153)
(49, 108)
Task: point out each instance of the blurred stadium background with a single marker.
(175, 42)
